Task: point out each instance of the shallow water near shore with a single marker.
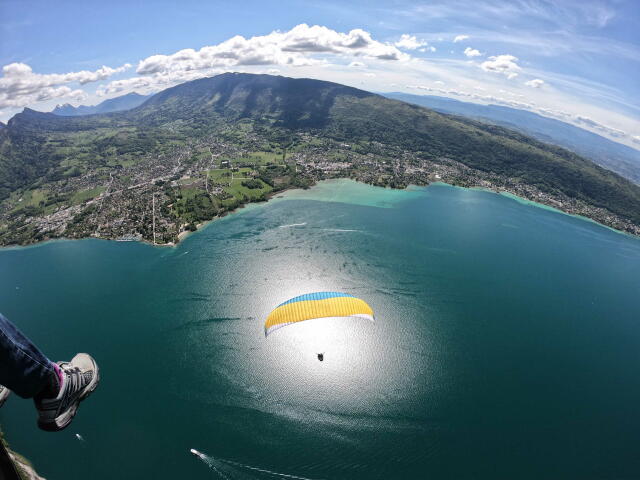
(505, 344)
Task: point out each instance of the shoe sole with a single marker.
(63, 420)
(4, 396)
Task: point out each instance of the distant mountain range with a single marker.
(606, 153)
(118, 104)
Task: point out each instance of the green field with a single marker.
(84, 195)
(261, 158)
(44, 202)
(190, 192)
(220, 175)
(193, 199)
(187, 181)
(32, 198)
(124, 161)
(240, 192)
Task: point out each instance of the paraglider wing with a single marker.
(316, 305)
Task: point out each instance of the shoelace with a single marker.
(75, 378)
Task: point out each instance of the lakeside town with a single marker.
(159, 199)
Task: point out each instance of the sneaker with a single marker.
(80, 378)
(4, 393)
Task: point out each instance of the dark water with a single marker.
(506, 344)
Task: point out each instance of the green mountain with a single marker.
(39, 148)
(272, 100)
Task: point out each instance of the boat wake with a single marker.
(293, 225)
(211, 463)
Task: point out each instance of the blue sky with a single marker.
(578, 61)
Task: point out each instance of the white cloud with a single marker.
(535, 83)
(505, 64)
(460, 38)
(439, 82)
(475, 96)
(636, 139)
(369, 74)
(409, 42)
(20, 86)
(614, 132)
(357, 65)
(151, 83)
(472, 52)
(299, 46)
(49, 93)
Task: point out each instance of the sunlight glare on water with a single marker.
(359, 364)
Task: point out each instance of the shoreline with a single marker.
(533, 203)
(200, 226)
(183, 235)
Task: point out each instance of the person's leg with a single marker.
(24, 369)
(57, 388)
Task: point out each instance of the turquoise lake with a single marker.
(506, 343)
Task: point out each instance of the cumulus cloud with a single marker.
(535, 83)
(636, 139)
(409, 42)
(505, 64)
(299, 46)
(460, 38)
(150, 83)
(20, 86)
(357, 65)
(472, 52)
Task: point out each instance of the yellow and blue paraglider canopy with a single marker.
(316, 305)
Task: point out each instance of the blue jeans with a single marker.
(24, 369)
